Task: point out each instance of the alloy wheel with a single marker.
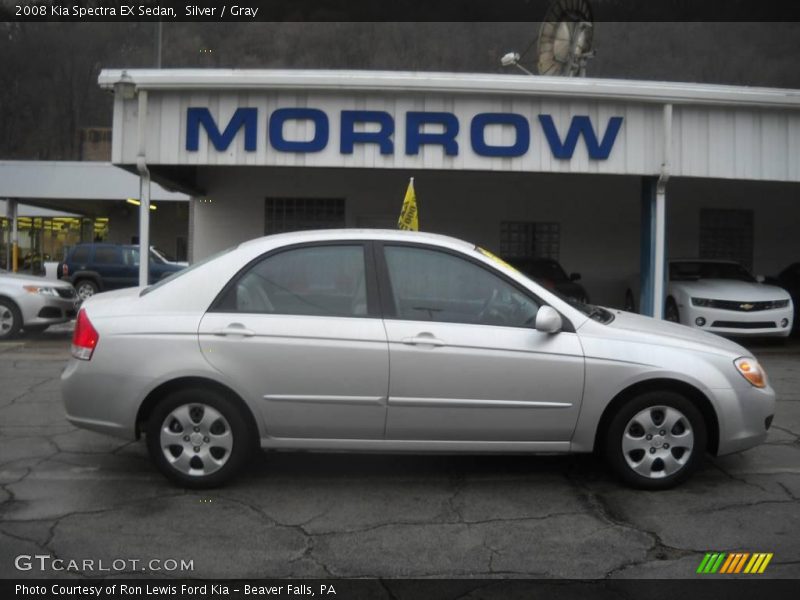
(658, 442)
(7, 321)
(196, 439)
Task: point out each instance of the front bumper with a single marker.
(743, 414)
(39, 309)
(762, 323)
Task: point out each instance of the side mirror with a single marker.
(760, 278)
(548, 320)
(574, 276)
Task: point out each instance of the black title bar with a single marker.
(386, 10)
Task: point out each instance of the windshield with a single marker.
(162, 254)
(695, 270)
(183, 272)
(597, 313)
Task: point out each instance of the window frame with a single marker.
(370, 280)
(389, 310)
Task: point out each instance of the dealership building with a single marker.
(610, 177)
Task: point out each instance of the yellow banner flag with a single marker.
(408, 215)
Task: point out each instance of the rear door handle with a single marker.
(423, 339)
(235, 329)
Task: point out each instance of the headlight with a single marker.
(780, 304)
(752, 371)
(701, 302)
(36, 289)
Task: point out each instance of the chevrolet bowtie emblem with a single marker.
(746, 306)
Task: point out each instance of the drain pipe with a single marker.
(144, 193)
(660, 218)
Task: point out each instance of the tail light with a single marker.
(65, 270)
(85, 337)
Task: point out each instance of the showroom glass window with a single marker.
(315, 281)
(429, 285)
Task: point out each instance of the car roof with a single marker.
(393, 235)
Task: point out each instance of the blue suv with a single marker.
(98, 267)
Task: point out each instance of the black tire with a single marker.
(35, 328)
(10, 320)
(671, 312)
(86, 288)
(646, 464)
(163, 421)
(630, 303)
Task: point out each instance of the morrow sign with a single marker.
(422, 128)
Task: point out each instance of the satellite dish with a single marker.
(565, 38)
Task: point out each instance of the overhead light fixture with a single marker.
(512, 60)
(136, 202)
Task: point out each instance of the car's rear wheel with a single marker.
(10, 320)
(656, 440)
(198, 438)
(86, 288)
(671, 312)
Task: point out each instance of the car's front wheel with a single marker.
(10, 319)
(86, 288)
(198, 438)
(656, 440)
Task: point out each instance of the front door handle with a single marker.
(235, 329)
(423, 339)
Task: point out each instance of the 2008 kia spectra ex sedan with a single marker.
(369, 340)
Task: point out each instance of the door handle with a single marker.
(423, 339)
(235, 329)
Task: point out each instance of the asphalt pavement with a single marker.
(73, 495)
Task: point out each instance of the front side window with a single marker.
(430, 285)
(315, 281)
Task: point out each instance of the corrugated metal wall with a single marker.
(707, 140)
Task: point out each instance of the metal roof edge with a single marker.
(457, 83)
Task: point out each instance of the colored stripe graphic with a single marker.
(741, 562)
(734, 563)
(717, 564)
(732, 558)
(703, 563)
(758, 563)
(765, 563)
(711, 562)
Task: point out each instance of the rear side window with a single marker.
(316, 281)
(80, 255)
(107, 256)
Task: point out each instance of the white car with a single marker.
(33, 303)
(722, 297)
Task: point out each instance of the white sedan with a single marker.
(723, 297)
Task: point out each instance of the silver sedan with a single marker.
(369, 340)
(33, 303)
